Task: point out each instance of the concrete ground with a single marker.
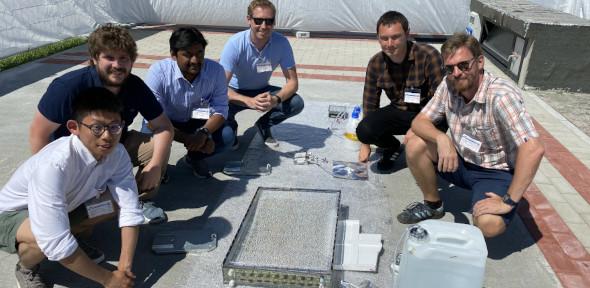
(546, 246)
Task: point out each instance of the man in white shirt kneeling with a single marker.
(72, 184)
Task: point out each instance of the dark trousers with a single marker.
(288, 108)
(379, 127)
(223, 137)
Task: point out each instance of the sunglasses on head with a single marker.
(268, 21)
(463, 66)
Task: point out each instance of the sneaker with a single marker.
(418, 211)
(387, 160)
(267, 136)
(28, 278)
(153, 214)
(271, 142)
(93, 253)
(200, 167)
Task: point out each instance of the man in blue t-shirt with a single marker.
(193, 93)
(112, 51)
(249, 58)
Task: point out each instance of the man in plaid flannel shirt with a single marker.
(493, 148)
(409, 73)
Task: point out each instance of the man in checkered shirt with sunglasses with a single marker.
(493, 148)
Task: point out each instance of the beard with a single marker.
(462, 84)
(108, 81)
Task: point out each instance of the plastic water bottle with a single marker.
(353, 121)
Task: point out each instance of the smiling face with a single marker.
(190, 61)
(466, 81)
(394, 41)
(260, 33)
(99, 146)
(113, 67)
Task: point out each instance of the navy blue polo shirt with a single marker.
(56, 103)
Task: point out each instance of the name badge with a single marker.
(201, 113)
(263, 67)
(470, 143)
(96, 208)
(412, 95)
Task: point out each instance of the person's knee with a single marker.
(364, 132)
(415, 148)
(296, 105)
(490, 225)
(228, 136)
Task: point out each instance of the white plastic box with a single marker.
(435, 253)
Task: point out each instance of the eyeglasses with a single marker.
(463, 66)
(98, 129)
(268, 21)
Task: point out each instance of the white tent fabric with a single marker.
(25, 24)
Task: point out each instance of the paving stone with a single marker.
(581, 232)
(551, 193)
(567, 213)
(578, 203)
(563, 186)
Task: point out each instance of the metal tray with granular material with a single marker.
(286, 239)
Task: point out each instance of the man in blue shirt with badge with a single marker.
(193, 93)
(249, 58)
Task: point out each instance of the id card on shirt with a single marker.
(470, 142)
(412, 95)
(263, 67)
(98, 207)
(202, 112)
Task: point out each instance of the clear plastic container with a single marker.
(436, 253)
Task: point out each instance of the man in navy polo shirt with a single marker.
(112, 51)
(249, 58)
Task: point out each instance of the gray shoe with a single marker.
(28, 278)
(267, 136)
(417, 211)
(200, 167)
(153, 214)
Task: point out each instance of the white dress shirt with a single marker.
(61, 177)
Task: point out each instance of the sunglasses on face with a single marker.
(268, 21)
(463, 66)
(98, 129)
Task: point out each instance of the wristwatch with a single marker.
(205, 131)
(506, 199)
(279, 100)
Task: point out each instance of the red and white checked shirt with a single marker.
(496, 117)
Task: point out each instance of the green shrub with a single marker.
(40, 52)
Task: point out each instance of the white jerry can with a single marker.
(436, 253)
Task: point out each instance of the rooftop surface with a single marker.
(546, 246)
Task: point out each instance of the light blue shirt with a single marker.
(240, 57)
(179, 97)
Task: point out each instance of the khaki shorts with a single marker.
(11, 221)
(9, 224)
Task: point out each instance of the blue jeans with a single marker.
(223, 137)
(288, 108)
